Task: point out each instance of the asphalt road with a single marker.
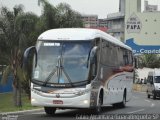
(140, 107)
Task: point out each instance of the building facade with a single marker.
(116, 25)
(138, 29)
(92, 21)
(150, 8)
(102, 23)
(142, 29)
(116, 22)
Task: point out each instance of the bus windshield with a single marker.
(62, 62)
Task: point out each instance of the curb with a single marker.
(21, 112)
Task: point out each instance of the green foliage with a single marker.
(7, 103)
(68, 17)
(61, 16)
(5, 75)
(149, 60)
(19, 30)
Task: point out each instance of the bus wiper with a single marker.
(37, 82)
(69, 79)
(52, 73)
(61, 69)
(50, 76)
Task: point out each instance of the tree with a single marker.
(68, 17)
(48, 19)
(149, 60)
(17, 28)
(61, 16)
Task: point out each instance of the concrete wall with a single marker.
(140, 87)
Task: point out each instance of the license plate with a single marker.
(57, 102)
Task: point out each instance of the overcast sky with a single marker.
(99, 7)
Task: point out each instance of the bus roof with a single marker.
(79, 34)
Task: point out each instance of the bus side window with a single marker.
(125, 57)
(115, 55)
(120, 57)
(105, 52)
(94, 64)
(130, 58)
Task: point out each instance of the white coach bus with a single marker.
(80, 68)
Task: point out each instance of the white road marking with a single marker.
(152, 104)
(135, 111)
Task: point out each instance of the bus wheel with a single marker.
(123, 103)
(98, 108)
(50, 110)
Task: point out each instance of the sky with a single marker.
(96, 7)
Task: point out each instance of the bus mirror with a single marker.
(26, 56)
(93, 55)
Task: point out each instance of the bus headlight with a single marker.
(82, 92)
(33, 100)
(85, 101)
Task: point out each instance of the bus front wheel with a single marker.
(50, 110)
(98, 108)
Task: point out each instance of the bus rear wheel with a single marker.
(50, 110)
(121, 104)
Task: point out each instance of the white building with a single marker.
(142, 29)
(150, 8)
(138, 29)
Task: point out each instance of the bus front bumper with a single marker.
(81, 101)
